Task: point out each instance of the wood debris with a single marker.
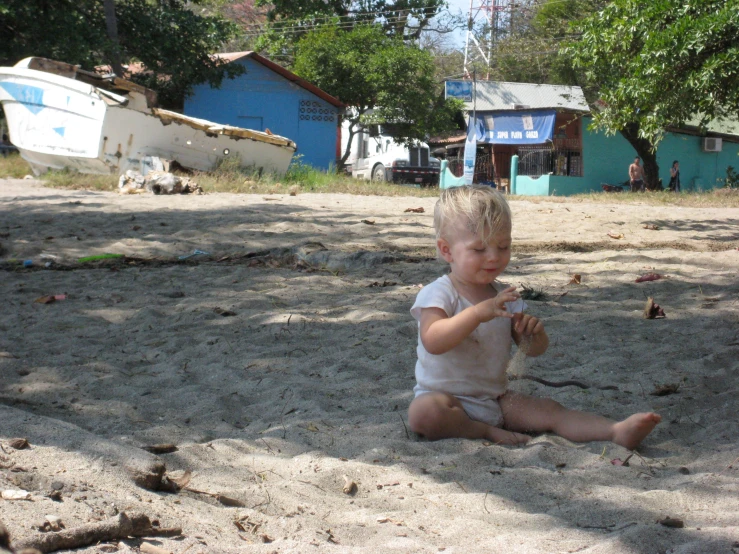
(19, 444)
(120, 527)
(671, 522)
(350, 487)
(665, 390)
(652, 310)
(419, 210)
(651, 226)
(649, 277)
(617, 236)
(165, 448)
(575, 279)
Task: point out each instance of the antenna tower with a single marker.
(482, 38)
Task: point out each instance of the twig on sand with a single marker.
(407, 435)
(731, 465)
(559, 384)
(119, 527)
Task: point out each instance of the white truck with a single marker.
(376, 156)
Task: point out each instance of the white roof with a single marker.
(500, 95)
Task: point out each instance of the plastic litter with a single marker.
(99, 257)
(194, 253)
(27, 263)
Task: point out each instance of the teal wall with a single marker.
(606, 159)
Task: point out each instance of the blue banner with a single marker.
(470, 154)
(516, 127)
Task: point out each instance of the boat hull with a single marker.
(57, 122)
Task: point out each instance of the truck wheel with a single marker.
(378, 173)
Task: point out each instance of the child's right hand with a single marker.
(495, 307)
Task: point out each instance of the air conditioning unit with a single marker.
(711, 144)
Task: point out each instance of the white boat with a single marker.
(61, 116)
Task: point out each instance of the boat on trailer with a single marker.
(60, 116)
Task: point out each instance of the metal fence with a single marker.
(483, 168)
(534, 162)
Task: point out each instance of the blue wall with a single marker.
(262, 99)
(606, 159)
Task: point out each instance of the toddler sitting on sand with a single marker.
(466, 322)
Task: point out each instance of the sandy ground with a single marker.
(282, 360)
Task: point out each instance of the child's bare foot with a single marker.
(501, 436)
(632, 430)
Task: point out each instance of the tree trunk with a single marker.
(648, 154)
(111, 23)
(352, 133)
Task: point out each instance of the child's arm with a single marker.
(530, 326)
(440, 333)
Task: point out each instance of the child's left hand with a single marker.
(527, 325)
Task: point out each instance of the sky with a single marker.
(456, 6)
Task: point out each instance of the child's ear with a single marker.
(444, 249)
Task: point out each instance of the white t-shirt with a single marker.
(475, 367)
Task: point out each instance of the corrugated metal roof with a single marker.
(719, 126)
(501, 95)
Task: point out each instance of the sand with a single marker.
(282, 360)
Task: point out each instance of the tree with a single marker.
(527, 44)
(654, 65)
(291, 20)
(173, 43)
(372, 72)
(404, 19)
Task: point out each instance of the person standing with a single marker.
(636, 176)
(675, 176)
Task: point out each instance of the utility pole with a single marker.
(497, 17)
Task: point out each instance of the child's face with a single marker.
(474, 261)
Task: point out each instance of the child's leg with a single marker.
(526, 413)
(440, 416)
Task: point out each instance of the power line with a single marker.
(351, 15)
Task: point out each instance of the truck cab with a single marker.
(376, 156)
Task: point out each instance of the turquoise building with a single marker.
(606, 159)
(574, 159)
(269, 97)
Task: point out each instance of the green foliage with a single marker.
(290, 20)
(368, 70)
(529, 52)
(173, 42)
(732, 179)
(661, 63)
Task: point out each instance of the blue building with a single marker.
(269, 97)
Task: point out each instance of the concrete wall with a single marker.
(262, 99)
(606, 159)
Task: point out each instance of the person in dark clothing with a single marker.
(675, 176)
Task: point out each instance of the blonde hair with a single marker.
(481, 209)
